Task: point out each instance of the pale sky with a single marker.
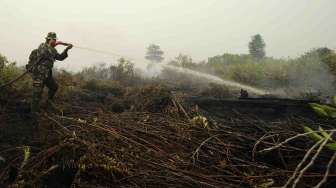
(199, 28)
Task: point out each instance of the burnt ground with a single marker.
(151, 138)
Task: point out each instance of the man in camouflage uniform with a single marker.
(42, 71)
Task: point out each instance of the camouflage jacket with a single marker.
(49, 54)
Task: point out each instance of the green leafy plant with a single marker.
(319, 135)
(324, 110)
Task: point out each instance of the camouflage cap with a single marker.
(51, 35)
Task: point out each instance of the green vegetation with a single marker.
(124, 72)
(8, 71)
(320, 135)
(257, 47)
(154, 53)
(314, 71)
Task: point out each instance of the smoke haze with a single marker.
(196, 27)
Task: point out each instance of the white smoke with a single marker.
(152, 70)
(311, 76)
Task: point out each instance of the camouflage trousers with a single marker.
(40, 80)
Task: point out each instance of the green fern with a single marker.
(323, 110)
(322, 134)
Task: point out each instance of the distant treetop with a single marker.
(257, 47)
(154, 53)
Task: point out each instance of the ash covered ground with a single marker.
(154, 133)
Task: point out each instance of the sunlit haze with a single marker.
(197, 28)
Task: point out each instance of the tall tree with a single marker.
(257, 47)
(154, 53)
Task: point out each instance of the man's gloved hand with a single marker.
(68, 47)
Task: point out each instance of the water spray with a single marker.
(218, 79)
(179, 69)
(93, 50)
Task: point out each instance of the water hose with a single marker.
(64, 44)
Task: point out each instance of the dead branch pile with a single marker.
(88, 146)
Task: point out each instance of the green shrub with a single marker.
(104, 87)
(9, 71)
(124, 72)
(312, 72)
